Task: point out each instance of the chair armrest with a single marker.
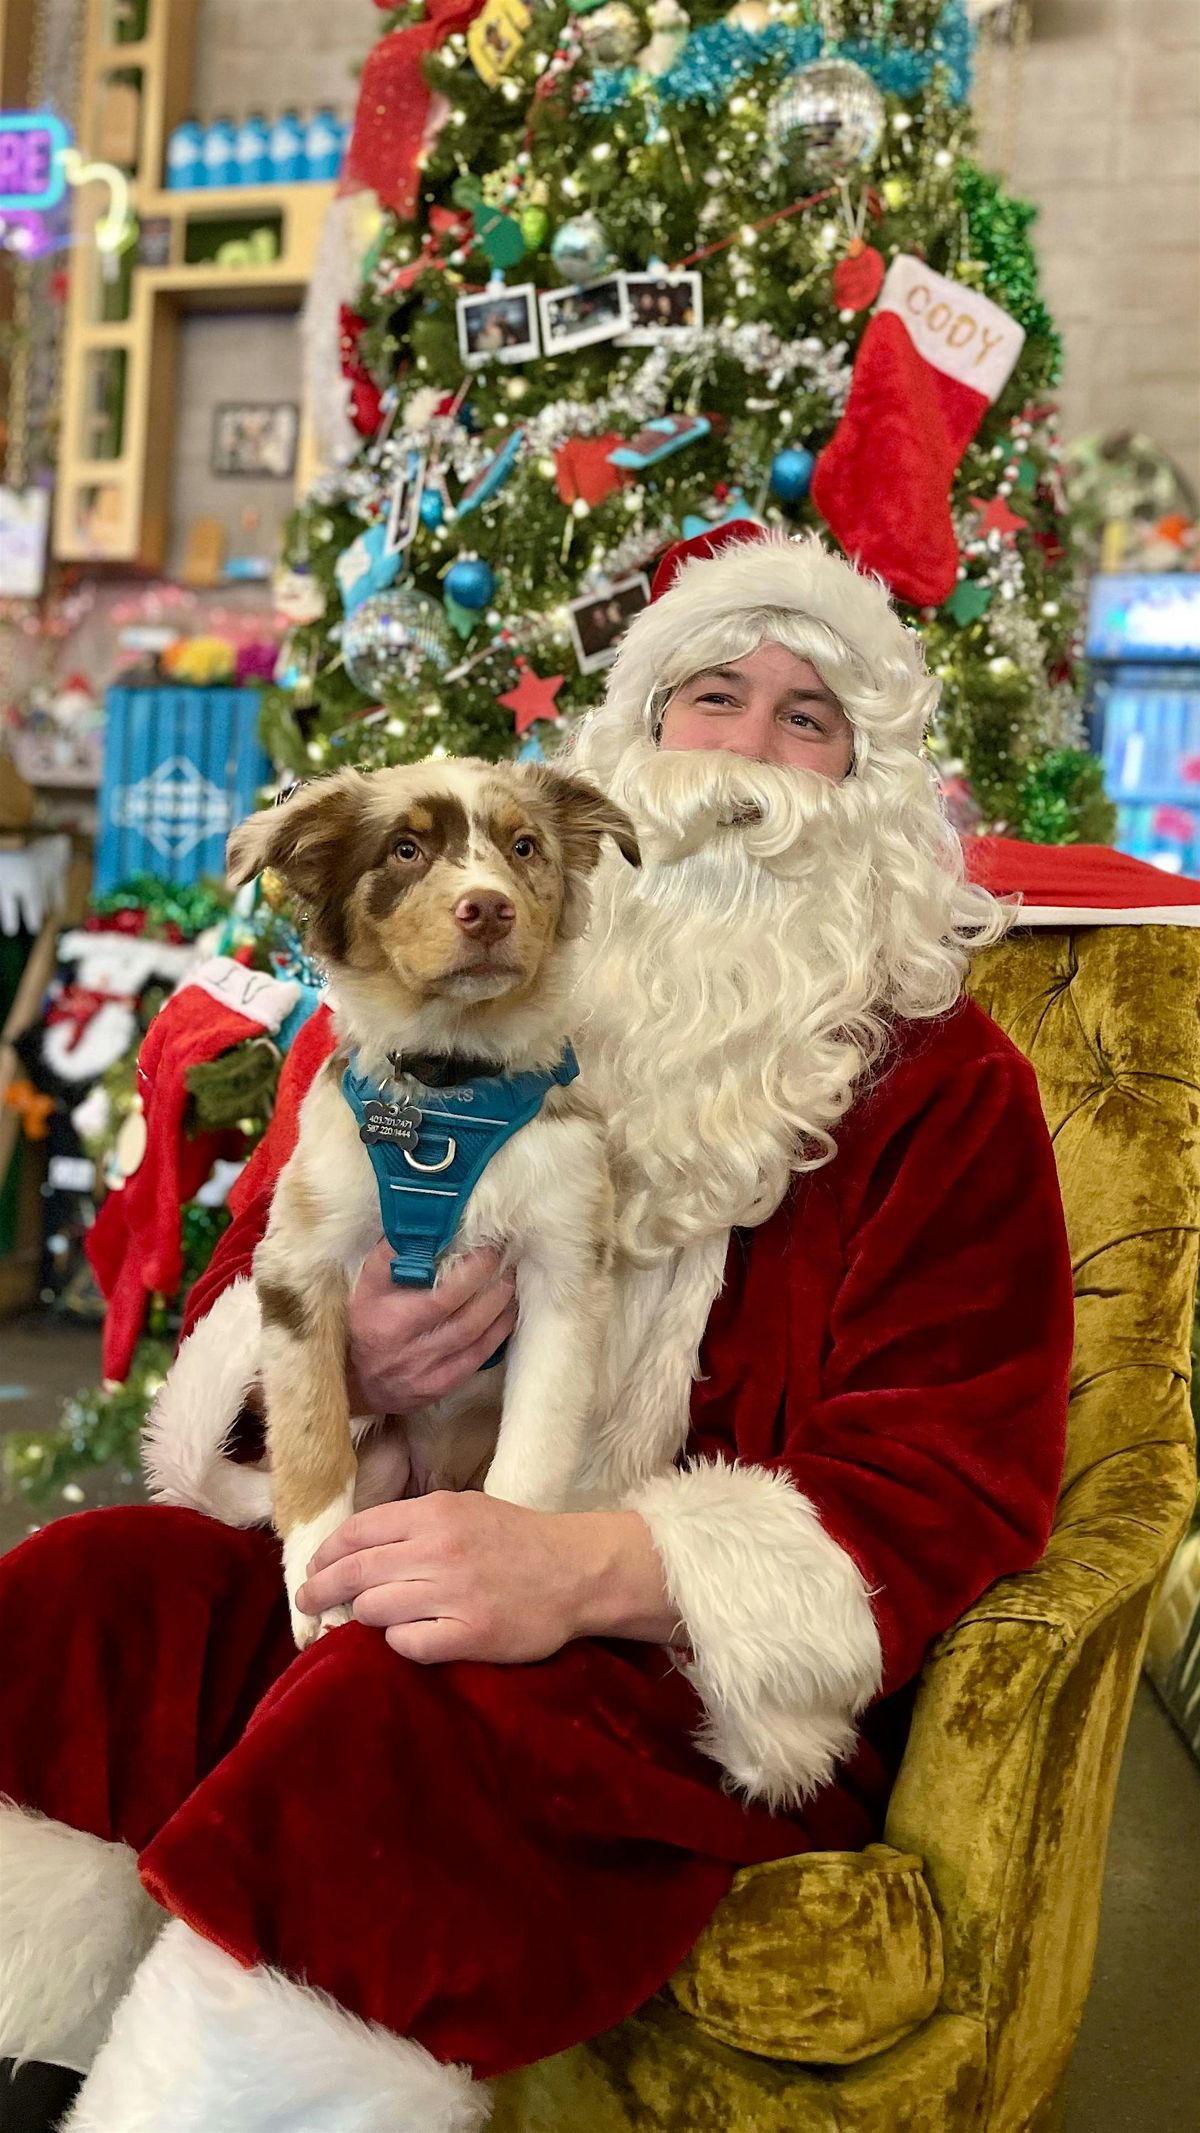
(1006, 1787)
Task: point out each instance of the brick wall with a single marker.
(1108, 145)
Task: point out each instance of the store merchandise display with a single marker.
(288, 150)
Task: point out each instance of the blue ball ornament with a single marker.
(433, 509)
(792, 473)
(471, 582)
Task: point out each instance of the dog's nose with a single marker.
(485, 915)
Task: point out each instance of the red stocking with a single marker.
(933, 357)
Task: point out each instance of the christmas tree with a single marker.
(641, 268)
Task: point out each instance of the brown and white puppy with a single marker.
(443, 899)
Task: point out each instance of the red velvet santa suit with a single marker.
(499, 1862)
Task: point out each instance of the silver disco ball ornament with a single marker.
(825, 118)
(387, 637)
(610, 34)
(580, 248)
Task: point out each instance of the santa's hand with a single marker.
(408, 1346)
(471, 1577)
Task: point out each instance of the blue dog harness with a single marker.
(429, 1156)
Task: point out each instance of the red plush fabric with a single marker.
(393, 106)
(1078, 878)
(497, 1861)
(898, 1338)
(910, 423)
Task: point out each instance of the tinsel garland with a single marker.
(1062, 800)
(720, 55)
(999, 238)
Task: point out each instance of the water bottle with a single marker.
(253, 151)
(185, 168)
(286, 150)
(218, 154)
(323, 145)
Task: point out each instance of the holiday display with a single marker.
(642, 267)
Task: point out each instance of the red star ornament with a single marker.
(996, 517)
(582, 469)
(533, 698)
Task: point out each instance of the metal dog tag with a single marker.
(395, 1124)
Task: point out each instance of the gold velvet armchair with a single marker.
(935, 1982)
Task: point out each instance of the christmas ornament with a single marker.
(667, 434)
(532, 698)
(825, 118)
(496, 36)
(738, 512)
(368, 566)
(535, 228)
(366, 400)
(393, 115)
(493, 474)
(933, 356)
(471, 582)
(995, 517)
(968, 601)
(388, 637)
(610, 34)
(584, 471)
(858, 278)
(670, 25)
(792, 473)
(498, 234)
(298, 596)
(433, 509)
(579, 248)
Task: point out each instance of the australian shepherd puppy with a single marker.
(442, 898)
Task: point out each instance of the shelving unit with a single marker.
(114, 475)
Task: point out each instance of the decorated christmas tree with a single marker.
(640, 268)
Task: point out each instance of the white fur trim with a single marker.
(201, 2045)
(252, 993)
(955, 329)
(784, 1648)
(183, 1448)
(1029, 914)
(75, 1923)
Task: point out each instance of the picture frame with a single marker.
(600, 620)
(498, 326)
(256, 439)
(661, 305)
(583, 312)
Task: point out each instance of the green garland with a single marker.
(100, 1426)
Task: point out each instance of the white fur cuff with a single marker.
(784, 1648)
(183, 1449)
(75, 1922)
(201, 2045)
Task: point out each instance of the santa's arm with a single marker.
(211, 1388)
(927, 1468)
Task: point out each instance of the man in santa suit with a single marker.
(488, 1817)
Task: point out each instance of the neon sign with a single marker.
(33, 148)
(37, 163)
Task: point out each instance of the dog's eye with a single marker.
(406, 848)
(524, 848)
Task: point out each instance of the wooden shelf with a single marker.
(136, 521)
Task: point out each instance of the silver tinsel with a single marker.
(386, 639)
(825, 118)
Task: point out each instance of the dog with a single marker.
(442, 899)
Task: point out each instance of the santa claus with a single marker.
(341, 1890)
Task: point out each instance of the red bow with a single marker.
(444, 223)
(78, 1003)
(393, 105)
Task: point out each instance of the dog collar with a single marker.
(428, 1155)
(442, 1070)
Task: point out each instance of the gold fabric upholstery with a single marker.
(935, 1983)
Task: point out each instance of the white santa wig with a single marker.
(742, 986)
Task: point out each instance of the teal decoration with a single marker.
(433, 509)
(792, 473)
(531, 751)
(471, 582)
(462, 620)
(737, 508)
(368, 566)
(969, 601)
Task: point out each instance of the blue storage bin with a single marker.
(181, 767)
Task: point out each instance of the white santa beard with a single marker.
(729, 988)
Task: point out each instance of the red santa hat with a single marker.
(729, 589)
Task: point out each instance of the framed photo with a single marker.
(498, 327)
(599, 622)
(594, 311)
(256, 438)
(660, 305)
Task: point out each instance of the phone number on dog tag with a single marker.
(396, 1123)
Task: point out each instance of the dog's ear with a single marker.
(583, 815)
(309, 840)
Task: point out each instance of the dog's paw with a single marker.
(306, 1629)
